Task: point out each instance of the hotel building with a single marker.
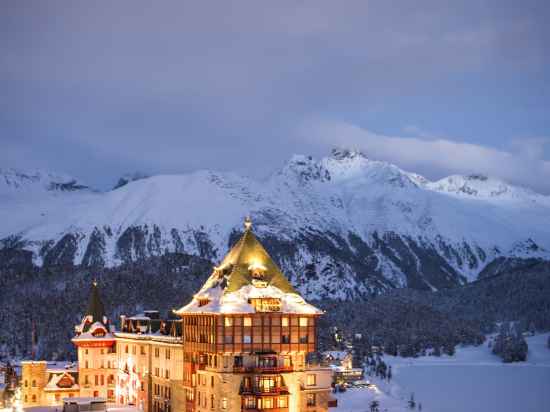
(241, 344)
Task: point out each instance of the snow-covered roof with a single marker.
(53, 383)
(336, 354)
(61, 366)
(92, 333)
(94, 324)
(247, 272)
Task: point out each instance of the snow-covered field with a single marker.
(474, 380)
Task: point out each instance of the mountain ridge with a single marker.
(343, 226)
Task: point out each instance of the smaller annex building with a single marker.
(47, 383)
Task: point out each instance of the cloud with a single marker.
(96, 90)
(437, 157)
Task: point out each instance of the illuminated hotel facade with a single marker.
(241, 344)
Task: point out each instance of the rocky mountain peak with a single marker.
(339, 153)
(306, 169)
(38, 180)
(129, 177)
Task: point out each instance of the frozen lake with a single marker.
(483, 388)
(477, 381)
(474, 380)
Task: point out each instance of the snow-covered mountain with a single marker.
(343, 226)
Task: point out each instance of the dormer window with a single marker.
(203, 301)
(98, 333)
(257, 270)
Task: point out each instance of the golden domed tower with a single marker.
(247, 332)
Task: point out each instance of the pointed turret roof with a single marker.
(246, 272)
(94, 324)
(246, 255)
(95, 306)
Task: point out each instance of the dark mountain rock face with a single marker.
(63, 252)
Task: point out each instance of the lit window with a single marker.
(284, 321)
(247, 321)
(303, 321)
(282, 403)
(228, 321)
(224, 403)
(310, 380)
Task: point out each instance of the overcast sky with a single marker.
(98, 89)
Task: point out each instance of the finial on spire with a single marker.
(247, 223)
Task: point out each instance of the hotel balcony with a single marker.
(263, 369)
(259, 391)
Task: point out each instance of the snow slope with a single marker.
(345, 225)
(473, 380)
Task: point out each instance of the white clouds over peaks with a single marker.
(523, 164)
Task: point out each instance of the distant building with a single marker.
(342, 366)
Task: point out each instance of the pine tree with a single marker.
(412, 402)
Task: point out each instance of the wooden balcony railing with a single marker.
(261, 369)
(271, 390)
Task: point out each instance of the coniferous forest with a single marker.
(406, 322)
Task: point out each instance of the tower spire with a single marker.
(95, 306)
(247, 223)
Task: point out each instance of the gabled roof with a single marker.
(236, 280)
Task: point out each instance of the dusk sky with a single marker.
(99, 89)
